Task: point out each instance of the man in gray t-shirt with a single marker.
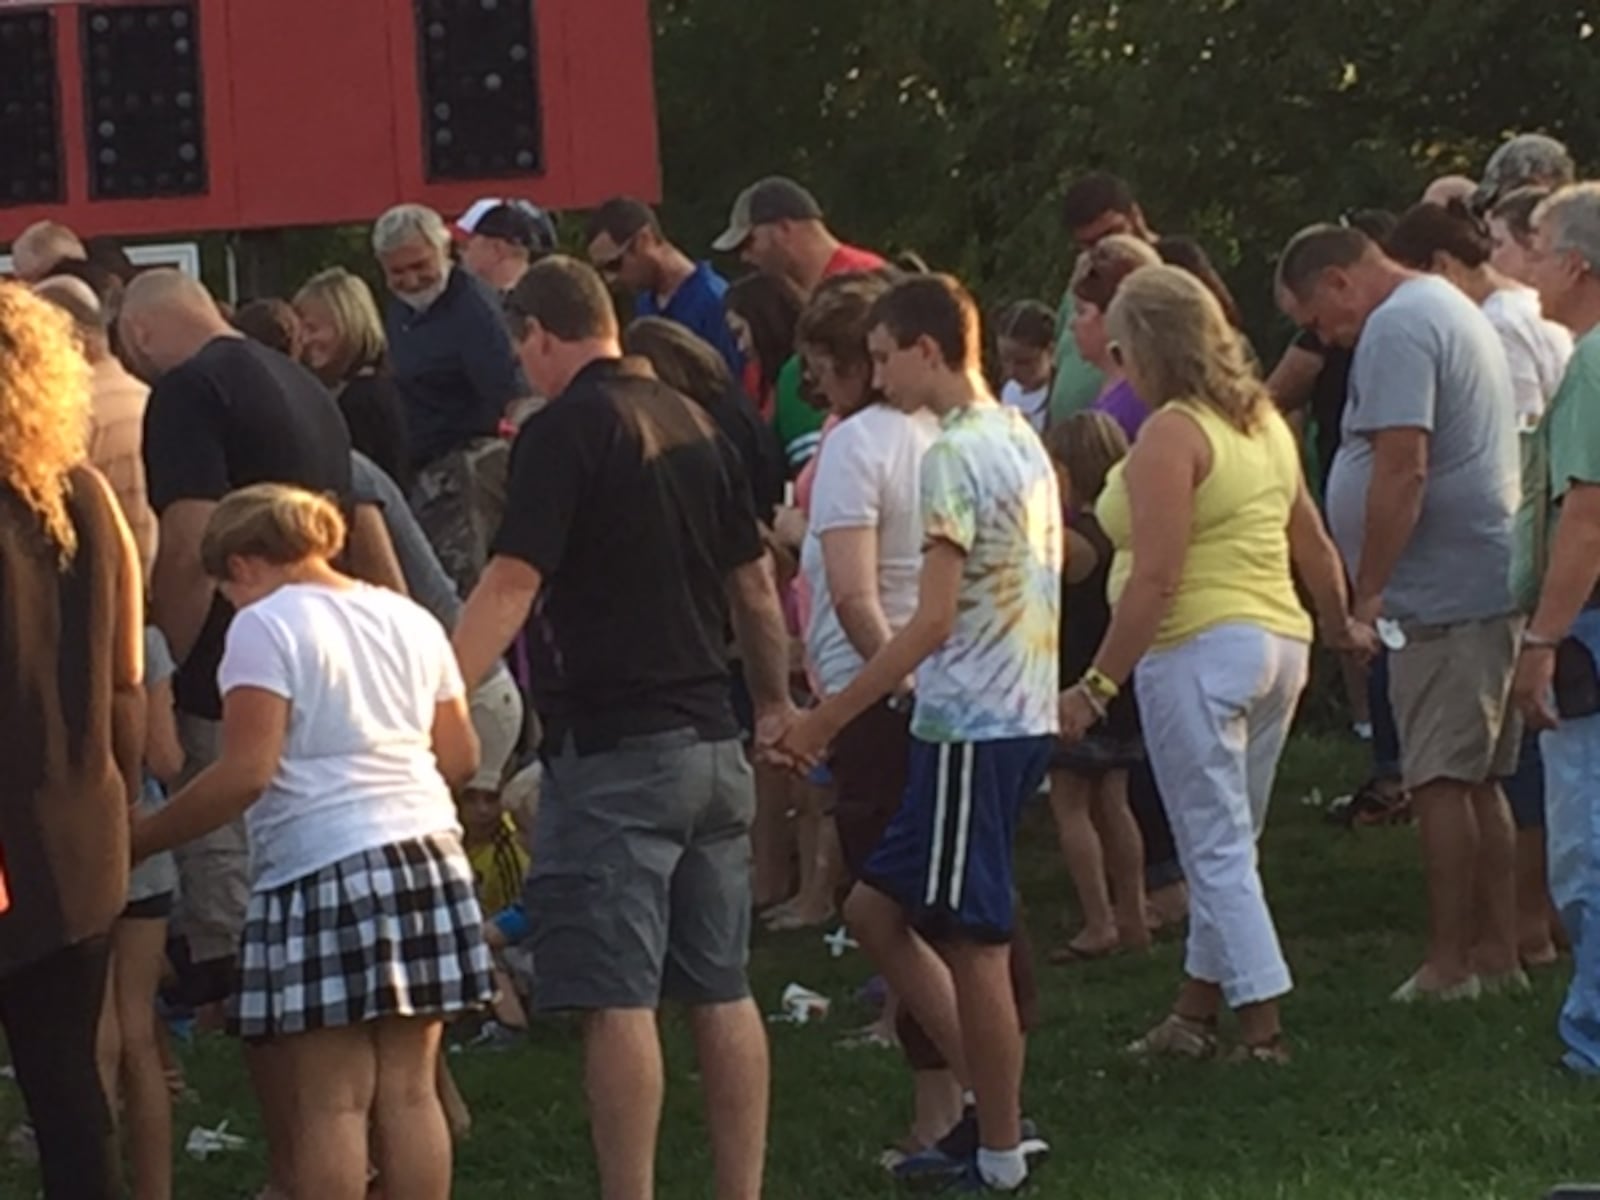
(1430, 364)
(1421, 501)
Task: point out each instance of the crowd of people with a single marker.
(369, 667)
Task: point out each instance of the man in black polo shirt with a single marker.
(631, 525)
(225, 412)
(458, 373)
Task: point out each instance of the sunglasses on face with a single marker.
(612, 265)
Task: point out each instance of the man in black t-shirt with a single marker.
(629, 535)
(224, 412)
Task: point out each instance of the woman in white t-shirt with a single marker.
(344, 724)
(1454, 243)
(1025, 339)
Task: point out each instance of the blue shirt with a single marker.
(697, 306)
(455, 365)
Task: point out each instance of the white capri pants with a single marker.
(1216, 711)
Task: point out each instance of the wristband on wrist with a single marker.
(1096, 705)
(1099, 685)
(1533, 641)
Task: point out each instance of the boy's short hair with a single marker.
(933, 306)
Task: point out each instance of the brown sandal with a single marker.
(1274, 1052)
(1066, 954)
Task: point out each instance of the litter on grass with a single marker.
(801, 1006)
(839, 941)
(202, 1143)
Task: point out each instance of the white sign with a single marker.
(185, 256)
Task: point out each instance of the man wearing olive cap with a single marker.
(777, 227)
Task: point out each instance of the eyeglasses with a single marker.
(613, 264)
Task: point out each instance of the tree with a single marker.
(951, 126)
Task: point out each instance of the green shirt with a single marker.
(1077, 383)
(1562, 450)
(797, 423)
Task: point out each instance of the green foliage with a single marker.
(951, 126)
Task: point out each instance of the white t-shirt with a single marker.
(867, 478)
(363, 670)
(1537, 349)
(1034, 405)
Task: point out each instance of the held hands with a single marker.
(1532, 687)
(773, 724)
(1078, 713)
(804, 742)
(1355, 637)
(1365, 610)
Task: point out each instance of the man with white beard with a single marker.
(458, 373)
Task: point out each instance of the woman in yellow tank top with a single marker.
(1206, 516)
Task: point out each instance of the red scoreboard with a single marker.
(135, 117)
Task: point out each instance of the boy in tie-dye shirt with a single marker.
(982, 648)
(988, 490)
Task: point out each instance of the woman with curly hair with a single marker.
(72, 707)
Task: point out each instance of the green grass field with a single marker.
(1419, 1104)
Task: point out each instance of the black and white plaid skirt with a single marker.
(393, 931)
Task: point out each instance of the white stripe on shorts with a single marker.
(958, 868)
(940, 787)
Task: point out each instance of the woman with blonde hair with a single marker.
(72, 708)
(342, 341)
(1206, 515)
(344, 725)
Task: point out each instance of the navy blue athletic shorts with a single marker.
(947, 855)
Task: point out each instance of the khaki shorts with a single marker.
(1451, 687)
(214, 870)
(496, 709)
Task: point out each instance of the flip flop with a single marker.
(1066, 954)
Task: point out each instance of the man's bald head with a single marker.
(1448, 188)
(77, 299)
(41, 246)
(165, 318)
(167, 290)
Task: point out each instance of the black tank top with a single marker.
(63, 805)
(1085, 617)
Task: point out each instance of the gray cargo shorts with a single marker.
(640, 887)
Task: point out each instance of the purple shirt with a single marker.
(1122, 404)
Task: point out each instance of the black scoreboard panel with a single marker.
(143, 101)
(479, 90)
(30, 118)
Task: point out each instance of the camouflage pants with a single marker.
(458, 500)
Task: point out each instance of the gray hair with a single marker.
(1572, 216)
(1316, 249)
(43, 244)
(1529, 159)
(408, 222)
